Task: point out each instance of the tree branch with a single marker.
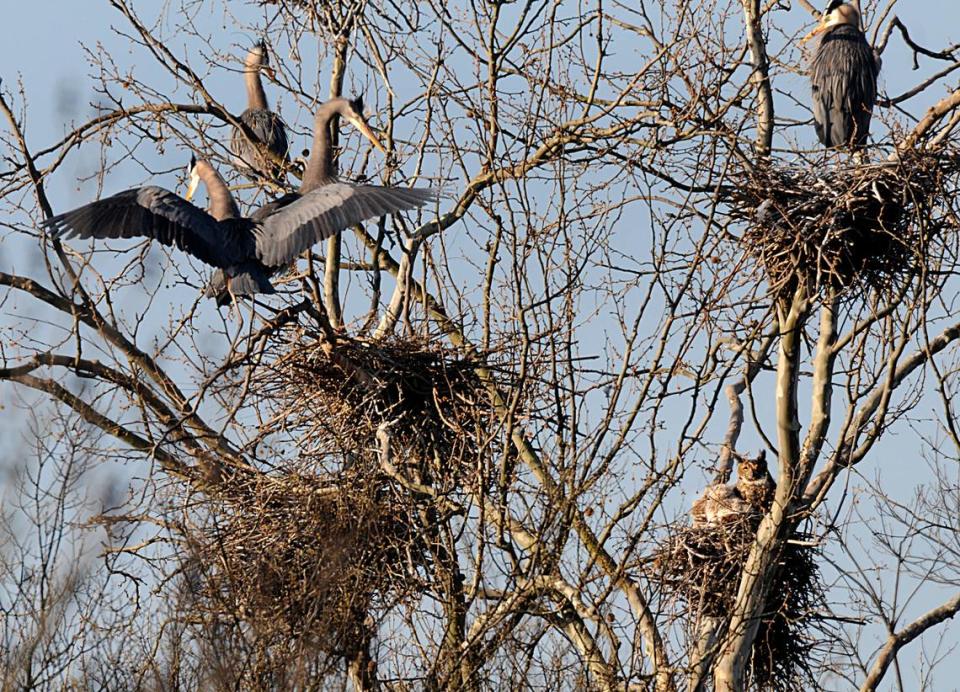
(897, 640)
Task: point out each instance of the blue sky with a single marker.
(42, 44)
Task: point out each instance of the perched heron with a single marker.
(246, 251)
(843, 76)
(263, 122)
(331, 204)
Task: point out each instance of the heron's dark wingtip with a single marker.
(430, 194)
(53, 227)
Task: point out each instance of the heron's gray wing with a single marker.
(274, 206)
(277, 136)
(150, 212)
(828, 109)
(326, 211)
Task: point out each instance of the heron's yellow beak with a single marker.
(825, 24)
(845, 14)
(192, 187)
(365, 130)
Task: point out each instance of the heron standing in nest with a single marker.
(843, 77)
(249, 156)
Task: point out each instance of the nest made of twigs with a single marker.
(701, 566)
(304, 559)
(336, 396)
(835, 228)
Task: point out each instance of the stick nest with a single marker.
(702, 567)
(302, 561)
(337, 396)
(833, 229)
(379, 439)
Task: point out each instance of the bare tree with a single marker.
(458, 450)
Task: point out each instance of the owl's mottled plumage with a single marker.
(754, 482)
(719, 504)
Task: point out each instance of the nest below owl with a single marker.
(701, 567)
(868, 226)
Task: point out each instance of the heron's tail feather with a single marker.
(245, 280)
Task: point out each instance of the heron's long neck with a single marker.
(320, 169)
(256, 96)
(222, 205)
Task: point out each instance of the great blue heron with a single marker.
(333, 205)
(843, 76)
(247, 251)
(264, 123)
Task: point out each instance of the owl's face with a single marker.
(752, 469)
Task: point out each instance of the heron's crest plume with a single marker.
(264, 54)
(356, 104)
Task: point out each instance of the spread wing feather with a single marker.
(150, 212)
(325, 211)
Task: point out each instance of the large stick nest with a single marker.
(334, 395)
(701, 566)
(379, 439)
(301, 560)
(835, 228)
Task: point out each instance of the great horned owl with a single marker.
(718, 504)
(754, 482)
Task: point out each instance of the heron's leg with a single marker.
(233, 300)
(253, 312)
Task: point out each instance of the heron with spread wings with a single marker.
(342, 204)
(245, 251)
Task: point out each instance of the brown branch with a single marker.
(331, 269)
(933, 116)
(760, 77)
(647, 624)
(917, 49)
(181, 71)
(840, 460)
(920, 88)
(759, 568)
(168, 462)
(824, 360)
(733, 391)
(897, 640)
(98, 370)
(808, 6)
(133, 353)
